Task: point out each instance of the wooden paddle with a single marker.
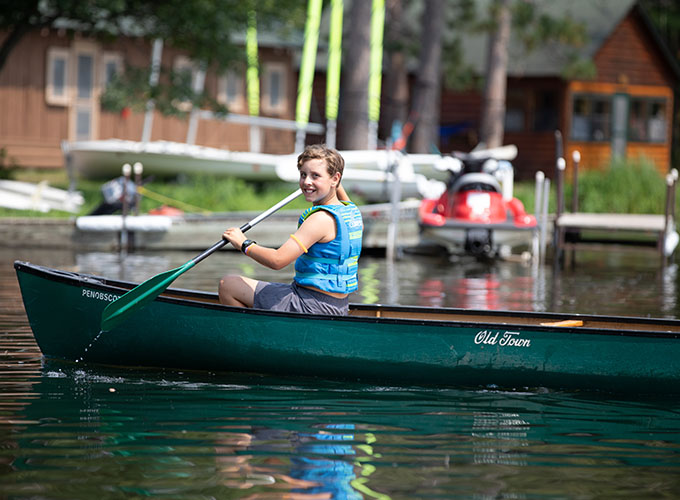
(118, 310)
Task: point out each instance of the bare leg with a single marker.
(237, 290)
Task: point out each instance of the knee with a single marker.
(228, 288)
(226, 281)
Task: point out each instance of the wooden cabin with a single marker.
(625, 110)
(52, 81)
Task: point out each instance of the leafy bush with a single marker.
(7, 165)
(632, 186)
(624, 186)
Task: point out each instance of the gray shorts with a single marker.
(294, 298)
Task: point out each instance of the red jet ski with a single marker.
(477, 214)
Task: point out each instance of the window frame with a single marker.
(268, 70)
(647, 102)
(51, 97)
(592, 98)
(238, 102)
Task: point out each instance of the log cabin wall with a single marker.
(34, 120)
(30, 130)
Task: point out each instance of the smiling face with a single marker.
(317, 185)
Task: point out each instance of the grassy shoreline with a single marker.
(634, 186)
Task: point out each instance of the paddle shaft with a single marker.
(142, 294)
(248, 225)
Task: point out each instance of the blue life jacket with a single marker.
(333, 266)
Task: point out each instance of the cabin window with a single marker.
(647, 121)
(85, 76)
(112, 65)
(514, 111)
(545, 114)
(274, 88)
(231, 90)
(591, 118)
(83, 124)
(56, 85)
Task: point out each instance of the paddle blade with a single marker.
(125, 305)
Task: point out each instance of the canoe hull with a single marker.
(65, 311)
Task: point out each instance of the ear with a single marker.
(335, 179)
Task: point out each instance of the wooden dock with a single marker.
(574, 229)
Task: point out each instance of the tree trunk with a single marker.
(353, 117)
(395, 109)
(427, 94)
(493, 108)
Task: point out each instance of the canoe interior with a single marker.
(607, 324)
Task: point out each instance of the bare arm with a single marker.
(320, 226)
(342, 194)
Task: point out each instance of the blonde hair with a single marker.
(334, 162)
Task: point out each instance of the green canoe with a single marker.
(185, 329)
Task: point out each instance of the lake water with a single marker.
(80, 431)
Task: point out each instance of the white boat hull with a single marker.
(367, 173)
(41, 197)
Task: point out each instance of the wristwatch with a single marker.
(246, 244)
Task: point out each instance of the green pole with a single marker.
(307, 68)
(333, 72)
(253, 79)
(375, 72)
(252, 76)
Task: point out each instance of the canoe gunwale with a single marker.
(490, 319)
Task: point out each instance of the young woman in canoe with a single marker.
(325, 247)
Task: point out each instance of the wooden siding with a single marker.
(630, 56)
(32, 130)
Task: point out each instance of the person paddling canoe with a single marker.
(325, 247)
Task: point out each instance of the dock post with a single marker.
(558, 232)
(138, 169)
(544, 223)
(536, 239)
(666, 249)
(127, 171)
(395, 197)
(576, 157)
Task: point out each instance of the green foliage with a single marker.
(205, 29)
(173, 96)
(631, 186)
(218, 194)
(535, 28)
(7, 165)
(579, 68)
(209, 193)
